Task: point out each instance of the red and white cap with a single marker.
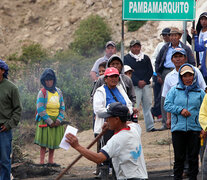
(111, 71)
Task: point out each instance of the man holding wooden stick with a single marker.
(124, 147)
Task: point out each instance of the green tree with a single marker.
(134, 25)
(33, 53)
(91, 36)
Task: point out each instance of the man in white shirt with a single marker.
(110, 49)
(124, 147)
(178, 58)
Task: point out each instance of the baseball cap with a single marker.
(204, 14)
(112, 43)
(178, 50)
(127, 68)
(186, 69)
(175, 30)
(133, 42)
(111, 71)
(165, 31)
(115, 109)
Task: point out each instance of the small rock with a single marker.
(48, 33)
(26, 35)
(66, 24)
(73, 19)
(58, 28)
(90, 2)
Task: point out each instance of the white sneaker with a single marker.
(110, 171)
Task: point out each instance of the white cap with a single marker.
(127, 68)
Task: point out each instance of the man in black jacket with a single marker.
(141, 64)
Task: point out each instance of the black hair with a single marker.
(125, 118)
(103, 64)
(113, 59)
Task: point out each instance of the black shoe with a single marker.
(53, 165)
(163, 128)
(41, 165)
(152, 130)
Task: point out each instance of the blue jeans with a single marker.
(144, 95)
(5, 152)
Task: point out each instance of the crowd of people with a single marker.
(179, 84)
(120, 87)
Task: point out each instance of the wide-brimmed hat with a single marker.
(116, 109)
(186, 69)
(175, 30)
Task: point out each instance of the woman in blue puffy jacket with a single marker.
(183, 102)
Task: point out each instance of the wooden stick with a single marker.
(77, 159)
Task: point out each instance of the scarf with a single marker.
(48, 74)
(4, 66)
(138, 57)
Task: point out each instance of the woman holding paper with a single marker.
(50, 113)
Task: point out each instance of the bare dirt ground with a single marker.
(158, 154)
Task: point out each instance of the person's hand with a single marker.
(52, 125)
(141, 84)
(57, 123)
(3, 128)
(159, 80)
(203, 134)
(185, 113)
(185, 31)
(193, 31)
(168, 123)
(135, 111)
(105, 127)
(72, 140)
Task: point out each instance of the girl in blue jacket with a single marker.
(183, 102)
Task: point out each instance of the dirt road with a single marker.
(157, 151)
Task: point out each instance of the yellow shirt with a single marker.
(203, 114)
(53, 104)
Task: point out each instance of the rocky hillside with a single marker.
(52, 23)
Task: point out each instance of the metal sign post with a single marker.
(184, 31)
(122, 41)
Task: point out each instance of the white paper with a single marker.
(63, 144)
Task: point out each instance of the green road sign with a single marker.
(168, 10)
